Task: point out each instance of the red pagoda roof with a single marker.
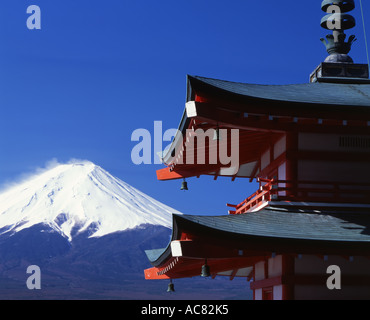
(248, 237)
(334, 94)
(262, 114)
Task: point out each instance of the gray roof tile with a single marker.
(315, 93)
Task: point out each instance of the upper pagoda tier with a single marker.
(279, 118)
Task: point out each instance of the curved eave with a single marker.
(184, 124)
(327, 95)
(312, 100)
(276, 230)
(158, 256)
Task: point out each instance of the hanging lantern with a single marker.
(205, 270)
(171, 287)
(184, 185)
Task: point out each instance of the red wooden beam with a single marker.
(283, 108)
(208, 112)
(200, 250)
(152, 274)
(269, 282)
(192, 267)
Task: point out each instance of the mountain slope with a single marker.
(76, 198)
(87, 231)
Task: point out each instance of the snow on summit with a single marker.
(76, 197)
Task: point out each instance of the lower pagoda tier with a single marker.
(283, 250)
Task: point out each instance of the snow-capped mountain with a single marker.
(87, 232)
(78, 197)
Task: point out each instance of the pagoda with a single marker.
(308, 147)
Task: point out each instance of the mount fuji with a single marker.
(87, 231)
(76, 198)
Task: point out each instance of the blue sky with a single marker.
(98, 70)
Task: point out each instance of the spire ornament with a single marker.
(339, 67)
(338, 20)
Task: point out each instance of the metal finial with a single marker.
(338, 20)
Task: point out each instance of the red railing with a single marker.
(308, 191)
(262, 195)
